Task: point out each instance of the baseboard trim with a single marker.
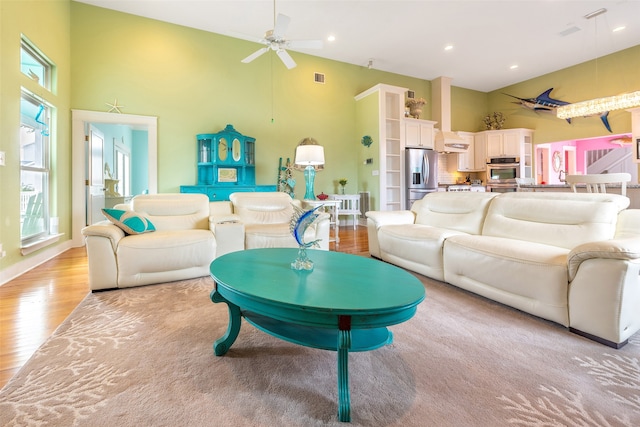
(19, 268)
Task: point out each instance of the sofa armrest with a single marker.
(102, 241)
(622, 249)
(321, 226)
(377, 219)
(221, 213)
(380, 218)
(105, 229)
(226, 226)
(628, 224)
(222, 219)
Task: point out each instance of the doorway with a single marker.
(80, 124)
(95, 174)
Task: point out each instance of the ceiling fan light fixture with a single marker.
(275, 40)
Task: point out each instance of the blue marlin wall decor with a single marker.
(542, 102)
(545, 103)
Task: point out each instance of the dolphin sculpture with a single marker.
(544, 102)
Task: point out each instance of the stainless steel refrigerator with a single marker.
(421, 173)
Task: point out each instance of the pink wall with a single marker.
(583, 145)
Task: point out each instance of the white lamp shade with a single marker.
(309, 155)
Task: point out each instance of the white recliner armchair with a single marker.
(181, 246)
(261, 220)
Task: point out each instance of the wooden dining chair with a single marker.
(596, 183)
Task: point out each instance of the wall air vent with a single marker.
(318, 78)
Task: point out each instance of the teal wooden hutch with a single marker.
(226, 163)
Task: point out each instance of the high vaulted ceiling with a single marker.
(409, 37)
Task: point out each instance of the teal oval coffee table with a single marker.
(344, 304)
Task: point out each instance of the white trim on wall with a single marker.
(80, 118)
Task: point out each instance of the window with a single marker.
(123, 170)
(35, 127)
(34, 66)
(34, 168)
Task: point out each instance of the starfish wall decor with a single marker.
(114, 107)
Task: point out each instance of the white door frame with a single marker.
(79, 121)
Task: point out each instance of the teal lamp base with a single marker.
(309, 177)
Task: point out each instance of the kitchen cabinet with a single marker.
(511, 143)
(380, 114)
(502, 144)
(475, 158)
(419, 133)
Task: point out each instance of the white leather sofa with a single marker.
(570, 258)
(189, 233)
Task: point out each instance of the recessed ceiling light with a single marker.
(620, 28)
(448, 47)
(331, 38)
(513, 67)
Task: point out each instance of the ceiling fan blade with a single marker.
(286, 58)
(254, 55)
(280, 28)
(305, 44)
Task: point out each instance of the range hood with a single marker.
(450, 142)
(446, 141)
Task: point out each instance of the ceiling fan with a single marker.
(275, 40)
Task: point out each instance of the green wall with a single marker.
(606, 76)
(48, 27)
(194, 82)
(468, 107)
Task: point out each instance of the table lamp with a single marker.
(309, 156)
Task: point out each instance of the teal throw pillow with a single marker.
(129, 221)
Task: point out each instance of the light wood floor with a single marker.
(33, 305)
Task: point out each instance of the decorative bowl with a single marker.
(322, 196)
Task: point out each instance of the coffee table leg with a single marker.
(222, 345)
(344, 343)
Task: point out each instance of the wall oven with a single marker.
(502, 188)
(502, 173)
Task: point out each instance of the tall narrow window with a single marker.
(35, 140)
(34, 168)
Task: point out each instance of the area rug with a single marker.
(143, 357)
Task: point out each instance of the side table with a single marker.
(349, 206)
(330, 207)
